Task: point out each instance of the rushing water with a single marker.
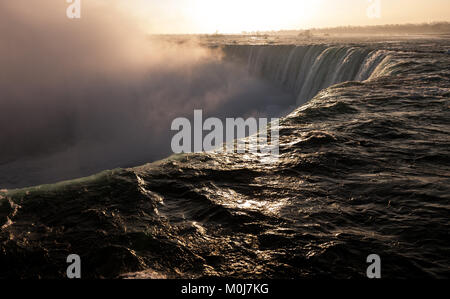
(364, 168)
(307, 69)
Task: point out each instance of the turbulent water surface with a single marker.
(364, 168)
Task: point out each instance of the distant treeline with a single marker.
(436, 28)
(443, 27)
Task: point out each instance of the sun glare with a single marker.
(234, 16)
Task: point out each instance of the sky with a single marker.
(235, 16)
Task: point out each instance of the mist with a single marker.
(81, 96)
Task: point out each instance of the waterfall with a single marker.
(305, 70)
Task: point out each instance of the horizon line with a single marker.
(312, 28)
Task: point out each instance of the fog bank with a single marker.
(80, 96)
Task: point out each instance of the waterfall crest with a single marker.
(305, 70)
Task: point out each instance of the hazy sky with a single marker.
(205, 16)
